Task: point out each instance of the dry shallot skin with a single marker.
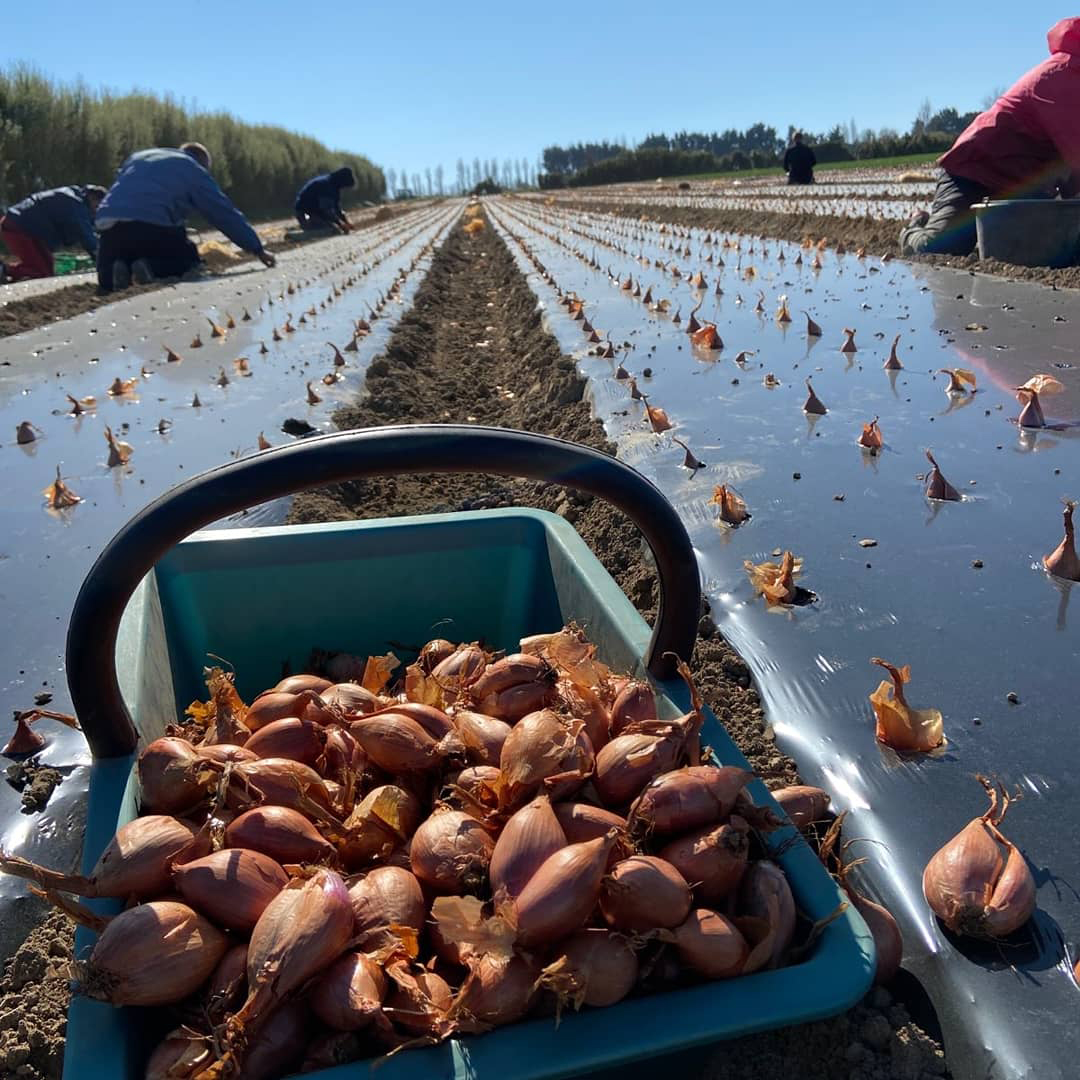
(278, 782)
(350, 697)
(385, 897)
(561, 895)
(280, 832)
(592, 967)
(644, 893)
(766, 894)
(803, 804)
(152, 954)
(587, 706)
(169, 777)
(688, 798)
(349, 993)
(433, 653)
(527, 840)
(978, 883)
(418, 1003)
(711, 945)
(228, 984)
(181, 1055)
(482, 735)
(450, 852)
(225, 753)
(545, 751)
(232, 886)
(383, 820)
(582, 821)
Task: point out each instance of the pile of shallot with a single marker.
(344, 868)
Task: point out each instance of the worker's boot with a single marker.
(141, 273)
(121, 275)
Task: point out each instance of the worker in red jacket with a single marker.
(1026, 145)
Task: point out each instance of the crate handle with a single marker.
(329, 459)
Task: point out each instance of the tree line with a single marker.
(505, 175)
(688, 152)
(54, 133)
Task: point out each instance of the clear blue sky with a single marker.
(413, 85)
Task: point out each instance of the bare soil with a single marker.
(877, 237)
(434, 371)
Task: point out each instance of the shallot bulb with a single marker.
(525, 843)
(689, 798)
(937, 487)
(803, 804)
(635, 704)
(644, 893)
(581, 821)
(888, 941)
(301, 931)
(271, 706)
(295, 684)
(513, 687)
(1063, 561)
(290, 738)
(450, 852)
(383, 901)
(279, 782)
(137, 861)
(418, 1003)
(351, 697)
(714, 858)
(232, 886)
(278, 1046)
(228, 984)
(585, 705)
(765, 894)
(979, 884)
(593, 967)
(561, 895)
(629, 762)
(182, 1055)
(497, 991)
(545, 750)
(169, 777)
(482, 735)
(283, 834)
(153, 954)
(711, 944)
(399, 743)
(349, 994)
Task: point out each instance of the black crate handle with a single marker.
(328, 459)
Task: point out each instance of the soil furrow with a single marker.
(474, 349)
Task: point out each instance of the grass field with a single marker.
(867, 163)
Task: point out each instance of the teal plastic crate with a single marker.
(153, 608)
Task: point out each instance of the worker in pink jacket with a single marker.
(1026, 145)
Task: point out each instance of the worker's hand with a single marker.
(267, 259)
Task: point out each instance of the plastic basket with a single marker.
(155, 603)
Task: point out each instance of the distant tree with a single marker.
(439, 179)
(461, 181)
(427, 180)
(922, 117)
(416, 183)
(391, 183)
(475, 171)
(991, 98)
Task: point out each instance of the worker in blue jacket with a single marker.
(318, 202)
(44, 222)
(141, 219)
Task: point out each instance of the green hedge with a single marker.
(53, 134)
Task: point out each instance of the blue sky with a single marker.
(418, 84)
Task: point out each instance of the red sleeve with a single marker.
(1057, 102)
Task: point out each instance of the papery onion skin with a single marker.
(450, 852)
(168, 777)
(384, 819)
(629, 762)
(688, 798)
(420, 1017)
(543, 746)
(386, 896)
(510, 671)
(351, 697)
(181, 1055)
(803, 804)
(228, 984)
(232, 886)
(280, 832)
(433, 653)
(713, 858)
(763, 880)
(281, 782)
(582, 821)
(561, 895)
(348, 995)
(302, 930)
(498, 991)
(711, 945)
(290, 738)
(225, 753)
(482, 735)
(527, 840)
(643, 893)
(585, 705)
(598, 968)
(153, 954)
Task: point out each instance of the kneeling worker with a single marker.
(141, 219)
(36, 227)
(318, 202)
(1026, 145)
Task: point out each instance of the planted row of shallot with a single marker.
(344, 867)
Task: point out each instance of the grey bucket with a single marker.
(1029, 232)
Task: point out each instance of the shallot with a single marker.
(232, 886)
(643, 893)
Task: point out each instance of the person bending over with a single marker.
(44, 222)
(318, 202)
(799, 161)
(141, 219)
(1026, 145)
